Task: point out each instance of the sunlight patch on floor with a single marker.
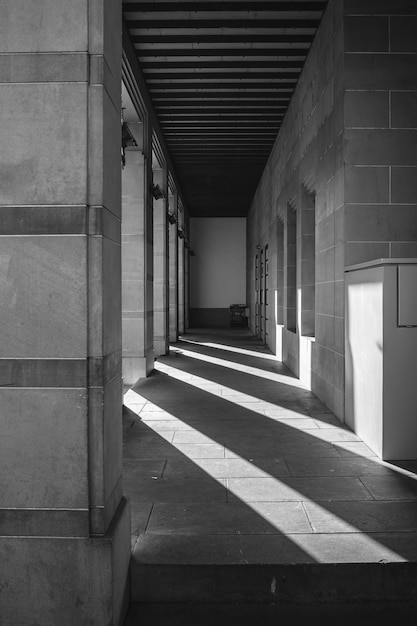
(239, 367)
(275, 490)
(221, 391)
(221, 346)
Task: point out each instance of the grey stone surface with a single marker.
(293, 489)
(371, 614)
(37, 468)
(67, 580)
(61, 341)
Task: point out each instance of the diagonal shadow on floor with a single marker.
(224, 466)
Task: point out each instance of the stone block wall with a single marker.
(63, 520)
(380, 130)
(348, 145)
(305, 171)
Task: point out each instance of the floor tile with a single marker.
(174, 424)
(140, 432)
(312, 450)
(177, 490)
(274, 549)
(324, 419)
(286, 412)
(228, 519)
(302, 489)
(201, 450)
(366, 517)
(337, 466)
(354, 449)
(227, 468)
(335, 435)
(391, 487)
(191, 436)
(281, 451)
(303, 423)
(138, 469)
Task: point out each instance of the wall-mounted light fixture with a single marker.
(128, 140)
(180, 233)
(189, 248)
(172, 219)
(157, 192)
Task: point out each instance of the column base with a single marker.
(67, 581)
(134, 368)
(306, 355)
(161, 347)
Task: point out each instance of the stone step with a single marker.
(316, 614)
(181, 569)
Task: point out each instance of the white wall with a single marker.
(381, 359)
(218, 271)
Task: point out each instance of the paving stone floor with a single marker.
(229, 459)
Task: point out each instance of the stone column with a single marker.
(186, 287)
(160, 248)
(279, 292)
(64, 525)
(173, 270)
(181, 285)
(306, 249)
(290, 267)
(306, 284)
(137, 258)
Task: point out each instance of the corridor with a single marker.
(245, 488)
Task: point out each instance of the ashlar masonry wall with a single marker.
(343, 169)
(298, 212)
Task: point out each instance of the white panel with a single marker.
(407, 295)
(218, 271)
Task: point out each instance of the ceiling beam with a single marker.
(222, 23)
(223, 52)
(224, 38)
(228, 124)
(164, 86)
(225, 64)
(228, 95)
(230, 136)
(210, 114)
(272, 5)
(173, 103)
(249, 75)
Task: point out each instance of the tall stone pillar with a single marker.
(173, 270)
(306, 250)
(137, 258)
(306, 283)
(64, 525)
(181, 286)
(186, 287)
(160, 248)
(290, 266)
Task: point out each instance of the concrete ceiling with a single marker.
(220, 75)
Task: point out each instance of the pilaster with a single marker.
(160, 247)
(173, 269)
(137, 257)
(64, 525)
